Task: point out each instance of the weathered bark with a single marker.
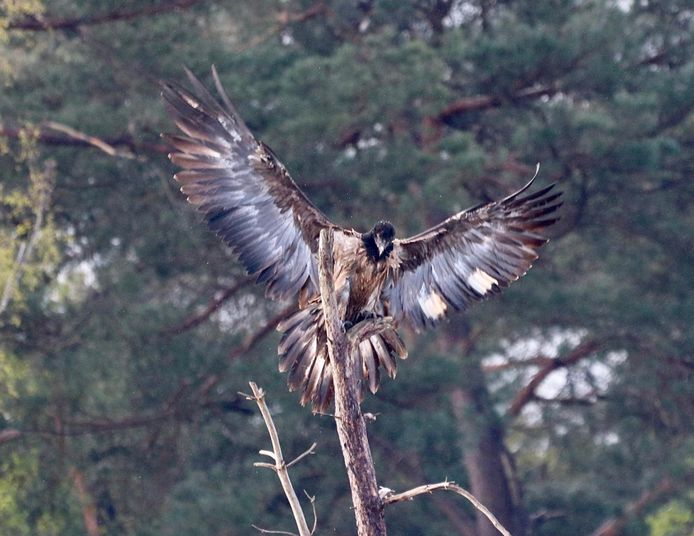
(351, 428)
(484, 454)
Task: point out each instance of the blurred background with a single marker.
(127, 329)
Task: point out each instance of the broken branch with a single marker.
(446, 486)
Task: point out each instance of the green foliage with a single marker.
(28, 237)
(672, 519)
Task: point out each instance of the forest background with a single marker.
(127, 329)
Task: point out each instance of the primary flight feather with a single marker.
(249, 199)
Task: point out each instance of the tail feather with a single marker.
(303, 353)
(394, 343)
(369, 366)
(292, 347)
(384, 357)
(291, 322)
(316, 378)
(295, 353)
(324, 395)
(299, 373)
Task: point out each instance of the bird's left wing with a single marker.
(244, 191)
(469, 256)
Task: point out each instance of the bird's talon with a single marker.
(367, 315)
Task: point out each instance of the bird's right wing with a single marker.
(244, 191)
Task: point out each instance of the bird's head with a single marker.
(382, 236)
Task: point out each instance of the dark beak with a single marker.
(381, 245)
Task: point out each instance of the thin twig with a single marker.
(279, 466)
(446, 486)
(310, 450)
(312, 500)
(266, 531)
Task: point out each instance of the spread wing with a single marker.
(469, 256)
(243, 190)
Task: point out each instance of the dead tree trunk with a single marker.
(351, 428)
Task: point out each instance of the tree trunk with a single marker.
(351, 428)
(485, 457)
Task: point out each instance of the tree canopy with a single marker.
(127, 329)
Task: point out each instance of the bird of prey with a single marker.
(249, 199)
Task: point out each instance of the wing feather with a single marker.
(469, 256)
(245, 193)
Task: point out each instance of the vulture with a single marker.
(249, 200)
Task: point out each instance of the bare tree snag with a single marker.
(351, 428)
(279, 465)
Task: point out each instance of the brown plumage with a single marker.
(251, 202)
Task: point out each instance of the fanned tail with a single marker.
(303, 353)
